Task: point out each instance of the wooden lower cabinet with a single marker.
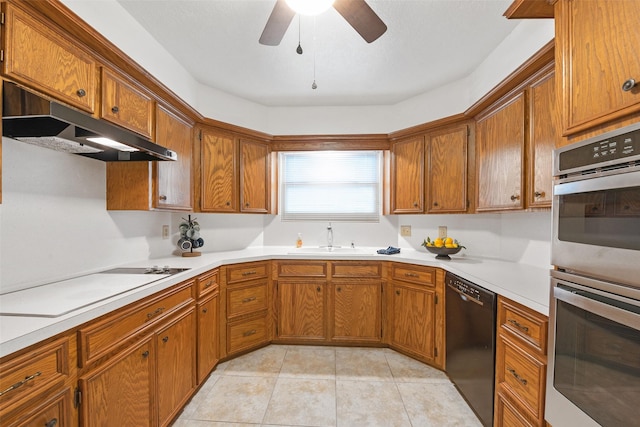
(120, 392)
(46, 410)
(208, 336)
(301, 307)
(521, 365)
(357, 311)
(176, 365)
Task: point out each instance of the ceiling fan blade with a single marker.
(362, 18)
(279, 20)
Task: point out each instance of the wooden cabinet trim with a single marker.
(302, 269)
(356, 269)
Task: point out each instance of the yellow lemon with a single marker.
(448, 241)
(449, 245)
(438, 243)
(455, 245)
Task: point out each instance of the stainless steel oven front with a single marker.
(596, 207)
(593, 377)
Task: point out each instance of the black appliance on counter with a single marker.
(471, 343)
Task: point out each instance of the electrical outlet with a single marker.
(405, 230)
(442, 231)
(165, 231)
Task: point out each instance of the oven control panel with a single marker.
(602, 151)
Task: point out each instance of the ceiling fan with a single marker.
(356, 12)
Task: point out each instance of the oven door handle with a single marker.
(599, 183)
(579, 299)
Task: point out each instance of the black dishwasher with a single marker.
(471, 338)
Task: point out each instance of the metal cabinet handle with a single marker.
(318, 289)
(628, 85)
(204, 310)
(415, 204)
(165, 339)
(539, 194)
(155, 312)
(52, 423)
(209, 283)
(397, 292)
(411, 275)
(518, 325)
(81, 92)
(163, 198)
(249, 333)
(435, 203)
(514, 197)
(115, 109)
(339, 289)
(21, 383)
(247, 204)
(228, 203)
(517, 377)
(249, 273)
(248, 299)
(145, 354)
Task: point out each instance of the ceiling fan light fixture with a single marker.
(310, 7)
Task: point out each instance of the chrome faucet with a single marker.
(329, 237)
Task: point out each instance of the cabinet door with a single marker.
(176, 365)
(357, 311)
(500, 156)
(219, 190)
(173, 179)
(125, 104)
(597, 42)
(446, 160)
(413, 319)
(40, 57)
(544, 131)
(407, 176)
(119, 393)
(301, 310)
(254, 177)
(208, 336)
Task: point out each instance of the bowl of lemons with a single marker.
(443, 247)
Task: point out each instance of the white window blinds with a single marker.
(330, 185)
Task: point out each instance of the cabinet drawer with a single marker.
(246, 334)
(302, 269)
(34, 371)
(356, 269)
(45, 410)
(106, 335)
(507, 414)
(245, 272)
(206, 283)
(414, 274)
(524, 323)
(246, 300)
(521, 375)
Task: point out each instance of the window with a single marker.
(330, 185)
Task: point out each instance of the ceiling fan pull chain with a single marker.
(314, 85)
(299, 49)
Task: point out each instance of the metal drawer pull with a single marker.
(411, 275)
(628, 85)
(52, 423)
(157, 311)
(517, 377)
(539, 194)
(209, 283)
(145, 354)
(21, 383)
(249, 299)
(518, 325)
(249, 333)
(204, 310)
(249, 273)
(115, 109)
(397, 292)
(165, 339)
(514, 197)
(81, 93)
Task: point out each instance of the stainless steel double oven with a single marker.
(594, 340)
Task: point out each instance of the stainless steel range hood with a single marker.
(30, 118)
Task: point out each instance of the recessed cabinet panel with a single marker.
(219, 169)
(254, 177)
(126, 104)
(301, 310)
(407, 176)
(446, 160)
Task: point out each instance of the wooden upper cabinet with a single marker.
(596, 55)
(407, 175)
(218, 171)
(126, 104)
(500, 148)
(173, 181)
(544, 131)
(40, 57)
(446, 160)
(255, 176)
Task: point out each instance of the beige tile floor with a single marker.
(312, 386)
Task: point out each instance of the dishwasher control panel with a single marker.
(465, 289)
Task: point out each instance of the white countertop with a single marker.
(522, 283)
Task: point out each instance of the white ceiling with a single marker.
(429, 43)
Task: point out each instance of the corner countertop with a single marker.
(526, 284)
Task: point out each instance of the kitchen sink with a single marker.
(334, 250)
